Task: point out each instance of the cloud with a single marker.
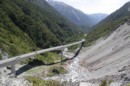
(96, 6)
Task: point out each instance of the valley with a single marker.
(39, 30)
(93, 65)
(83, 20)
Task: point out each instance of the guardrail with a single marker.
(14, 60)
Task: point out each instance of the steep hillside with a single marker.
(85, 21)
(109, 24)
(74, 15)
(25, 26)
(109, 58)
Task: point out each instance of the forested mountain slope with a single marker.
(74, 15)
(85, 21)
(25, 26)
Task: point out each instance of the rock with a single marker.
(71, 84)
(6, 81)
(87, 84)
(115, 84)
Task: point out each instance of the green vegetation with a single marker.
(72, 39)
(108, 25)
(30, 25)
(50, 57)
(0, 56)
(36, 81)
(45, 58)
(110, 81)
(56, 70)
(106, 83)
(104, 30)
(12, 40)
(128, 84)
(103, 83)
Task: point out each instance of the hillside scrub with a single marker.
(36, 81)
(56, 70)
(104, 30)
(103, 83)
(25, 27)
(44, 59)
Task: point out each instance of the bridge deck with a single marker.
(14, 60)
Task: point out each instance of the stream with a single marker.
(76, 72)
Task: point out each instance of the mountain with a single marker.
(26, 25)
(109, 53)
(97, 17)
(76, 16)
(72, 14)
(109, 24)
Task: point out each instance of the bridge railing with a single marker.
(14, 60)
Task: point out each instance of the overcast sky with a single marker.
(96, 6)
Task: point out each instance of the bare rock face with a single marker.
(6, 81)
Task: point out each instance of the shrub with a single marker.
(36, 81)
(110, 81)
(128, 84)
(56, 70)
(103, 83)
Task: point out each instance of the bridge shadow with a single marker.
(32, 64)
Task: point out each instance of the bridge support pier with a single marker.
(62, 54)
(13, 72)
